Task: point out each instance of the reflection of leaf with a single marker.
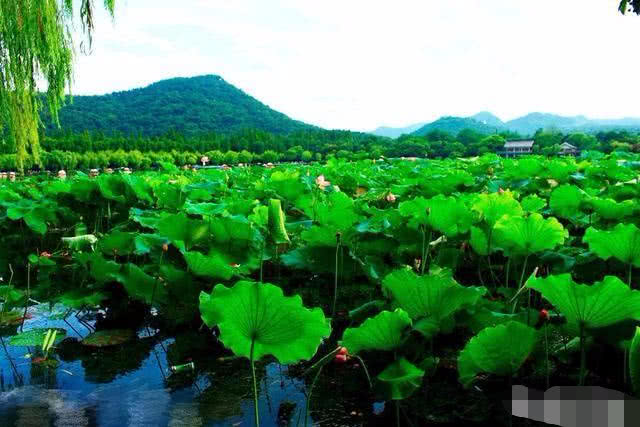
(382, 332)
(259, 313)
(622, 243)
(400, 379)
(108, 337)
(499, 350)
(596, 306)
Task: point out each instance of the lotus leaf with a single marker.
(594, 306)
(622, 243)
(35, 337)
(435, 296)
(565, 200)
(381, 332)
(499, 350)
(258, 317)
(400, 379)
(529, 235)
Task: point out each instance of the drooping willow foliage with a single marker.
(36, 46)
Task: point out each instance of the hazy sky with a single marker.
(361, 64)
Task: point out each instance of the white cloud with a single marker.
(359, 64)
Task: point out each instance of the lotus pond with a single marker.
(349, 293)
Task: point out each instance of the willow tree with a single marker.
(36, 47)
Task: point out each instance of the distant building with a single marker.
(518, 147)
(567, 149)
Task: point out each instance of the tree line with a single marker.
(66, 150)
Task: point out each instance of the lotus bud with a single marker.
(165, 247)
(391, 197)
(338, 237)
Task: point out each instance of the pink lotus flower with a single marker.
(391, 197)
(321, 182)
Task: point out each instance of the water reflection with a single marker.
(132, 385)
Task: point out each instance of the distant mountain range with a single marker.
(192, 106)
(488, 123)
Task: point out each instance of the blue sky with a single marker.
(355, 64)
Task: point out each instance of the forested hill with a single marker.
(191, 106)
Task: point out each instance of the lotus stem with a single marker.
(366, 371)
(320, 362)
(335, 281)
(546, 349)
(629, 274)
(583, 355)
(308, 404)
(255, 386)
(426, 254)
(397, 405)
(26, 303)
(506, 276)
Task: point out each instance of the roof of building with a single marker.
(567, 145)
(524, 143)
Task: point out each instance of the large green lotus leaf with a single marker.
(215, 265)
(205, 209)
(435, 296)
(145, 243)
(277, 231)
(449, 215)
(494, 206)
(11, 296)
(108, 337)
(479, 241)
(140, 187)
(35, 337)
(286, 184)
(634, 361)
(81, 298)
(34, 215)
(321, 235)
(565, 200)
(499, 350)
(533, 203)
(140, 285)
(601, 304)
(400, 379)
(117, 242)
(337, 211)
(622, 243)
(182, 231)
(610, 209)
(416, 211)
(234, 232)
(85, 190)
(381, 332)
(528, 235)
(170, 196)
(259, 313)
(112, 187)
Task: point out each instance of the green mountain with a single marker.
(191, 106)
(454, 125)
(488, 123)
(390, 132)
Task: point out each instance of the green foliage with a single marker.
(434, 297)
(382, 332)
(622, 243)
(529, 234)
(256, 319)
(594, 306)
(400, 379)
(499, 350)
